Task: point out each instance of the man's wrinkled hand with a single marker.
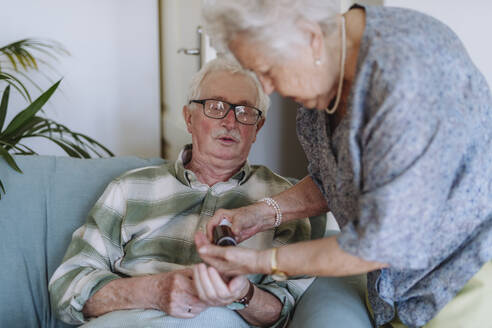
(214, 290)
(176, 295)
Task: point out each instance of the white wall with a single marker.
(110, 87)
(470, 20)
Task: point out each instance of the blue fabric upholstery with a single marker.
(333, 302)
(51, 199)
(38, 214)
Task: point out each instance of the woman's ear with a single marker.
(187, 117)
(315, 36)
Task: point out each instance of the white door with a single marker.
(180, 20)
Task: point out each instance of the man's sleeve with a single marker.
(289, 291)
(88, 263)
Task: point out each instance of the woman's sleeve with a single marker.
(408, 159)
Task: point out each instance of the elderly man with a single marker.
(134, 262)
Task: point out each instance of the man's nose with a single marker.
(230, 119)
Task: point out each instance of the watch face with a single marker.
(236, 306)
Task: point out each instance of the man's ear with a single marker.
(315, 36)
(258, 127)
(187, 117)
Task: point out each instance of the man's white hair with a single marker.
(228, 64)
(272, 22)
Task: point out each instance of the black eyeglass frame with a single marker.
(231, 106)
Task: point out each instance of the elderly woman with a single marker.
(396, 123)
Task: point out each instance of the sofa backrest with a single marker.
(38, 214)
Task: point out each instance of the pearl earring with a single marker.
(317, 62)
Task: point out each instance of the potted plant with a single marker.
(16, 60)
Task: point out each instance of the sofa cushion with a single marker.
(38, 215)
(333, 302)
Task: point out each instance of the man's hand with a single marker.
(213, 289)
(171, 292)
(175, 294)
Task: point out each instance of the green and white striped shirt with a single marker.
(144, 223)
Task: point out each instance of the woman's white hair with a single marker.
(272, 22)
(228, 64)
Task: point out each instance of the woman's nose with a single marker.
(266, 83)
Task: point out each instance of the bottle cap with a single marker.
(225, 222)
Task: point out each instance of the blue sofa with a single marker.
(43, 206)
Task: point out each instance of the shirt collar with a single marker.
(188, 177)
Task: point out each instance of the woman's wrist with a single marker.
(268, 215)
(263, 261)
(276, 207)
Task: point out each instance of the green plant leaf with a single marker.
(26, 77)
(27, 151)
(82, 145)
(31, 61)
(94, 142)
(16, 83)
(17, 149)
(11, 59)
(70, 152)
(3, 189)
(31, 110)
(3, 106)
(9, 159)
(26, 55)
(79, 149)
(21, 59)
(29, 125)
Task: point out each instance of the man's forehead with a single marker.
(231, 87)
(247, 102)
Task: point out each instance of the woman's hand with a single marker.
(232, 261)
(300, 201)
(213, 290)
(246, 221)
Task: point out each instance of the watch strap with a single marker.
(249, 295)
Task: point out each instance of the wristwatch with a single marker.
(276, 273)
(243, 302)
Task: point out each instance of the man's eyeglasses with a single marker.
(219, 109)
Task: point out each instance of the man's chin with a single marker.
(228, 155)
